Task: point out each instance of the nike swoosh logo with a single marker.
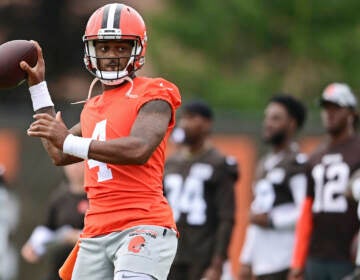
(128, 276)
(161, 84)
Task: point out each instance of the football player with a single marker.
(129, 230)
(64, 222)
(199, 184)
(279, 190)
(329, 222)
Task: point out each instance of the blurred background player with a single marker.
(63, 224)
(199, 184)
(9, 218)
(122, 136)
(278, 191)
(328, 222)
(353, 190)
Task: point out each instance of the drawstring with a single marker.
(128, 93)
(89, 92)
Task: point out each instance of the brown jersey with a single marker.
(279, 190)
(200, 190)
(335, 221)
(65, 209)
(273, 185)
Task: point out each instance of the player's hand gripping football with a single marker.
(51, 128)
(35, 74)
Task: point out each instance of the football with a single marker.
(11, 54)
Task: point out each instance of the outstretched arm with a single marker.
(42, 104)
(146, 134)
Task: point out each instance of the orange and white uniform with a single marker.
(125, 200)
(123, 196)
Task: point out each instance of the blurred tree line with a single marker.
(238, 52)
(233, 53)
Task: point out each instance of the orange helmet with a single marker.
(115, 22)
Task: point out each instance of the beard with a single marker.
(337, 128)
(276, 138)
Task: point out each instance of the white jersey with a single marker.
(278, 191)
(267, 250)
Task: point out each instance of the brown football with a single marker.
(11, 54)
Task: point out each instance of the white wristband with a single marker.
(40, 96)
(77, 146)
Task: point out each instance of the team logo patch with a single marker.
(136, 244)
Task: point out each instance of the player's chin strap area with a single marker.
(128, 93)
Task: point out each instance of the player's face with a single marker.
(276, 124)
(195, 127)
(113, 55)
(335, 118)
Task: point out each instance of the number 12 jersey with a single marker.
(335, 221)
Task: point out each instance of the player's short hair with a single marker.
(198, 107)
(294, 107)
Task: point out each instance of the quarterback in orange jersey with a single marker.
(129, 229)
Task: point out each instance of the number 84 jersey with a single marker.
(200, 190)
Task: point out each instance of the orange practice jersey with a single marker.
(122, 196)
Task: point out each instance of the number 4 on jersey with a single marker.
(104, 172)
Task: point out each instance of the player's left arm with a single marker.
(146, 134)
(286, 216)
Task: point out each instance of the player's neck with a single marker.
(283, 146)
(198, 148)
(343, 135)
(110, 87)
